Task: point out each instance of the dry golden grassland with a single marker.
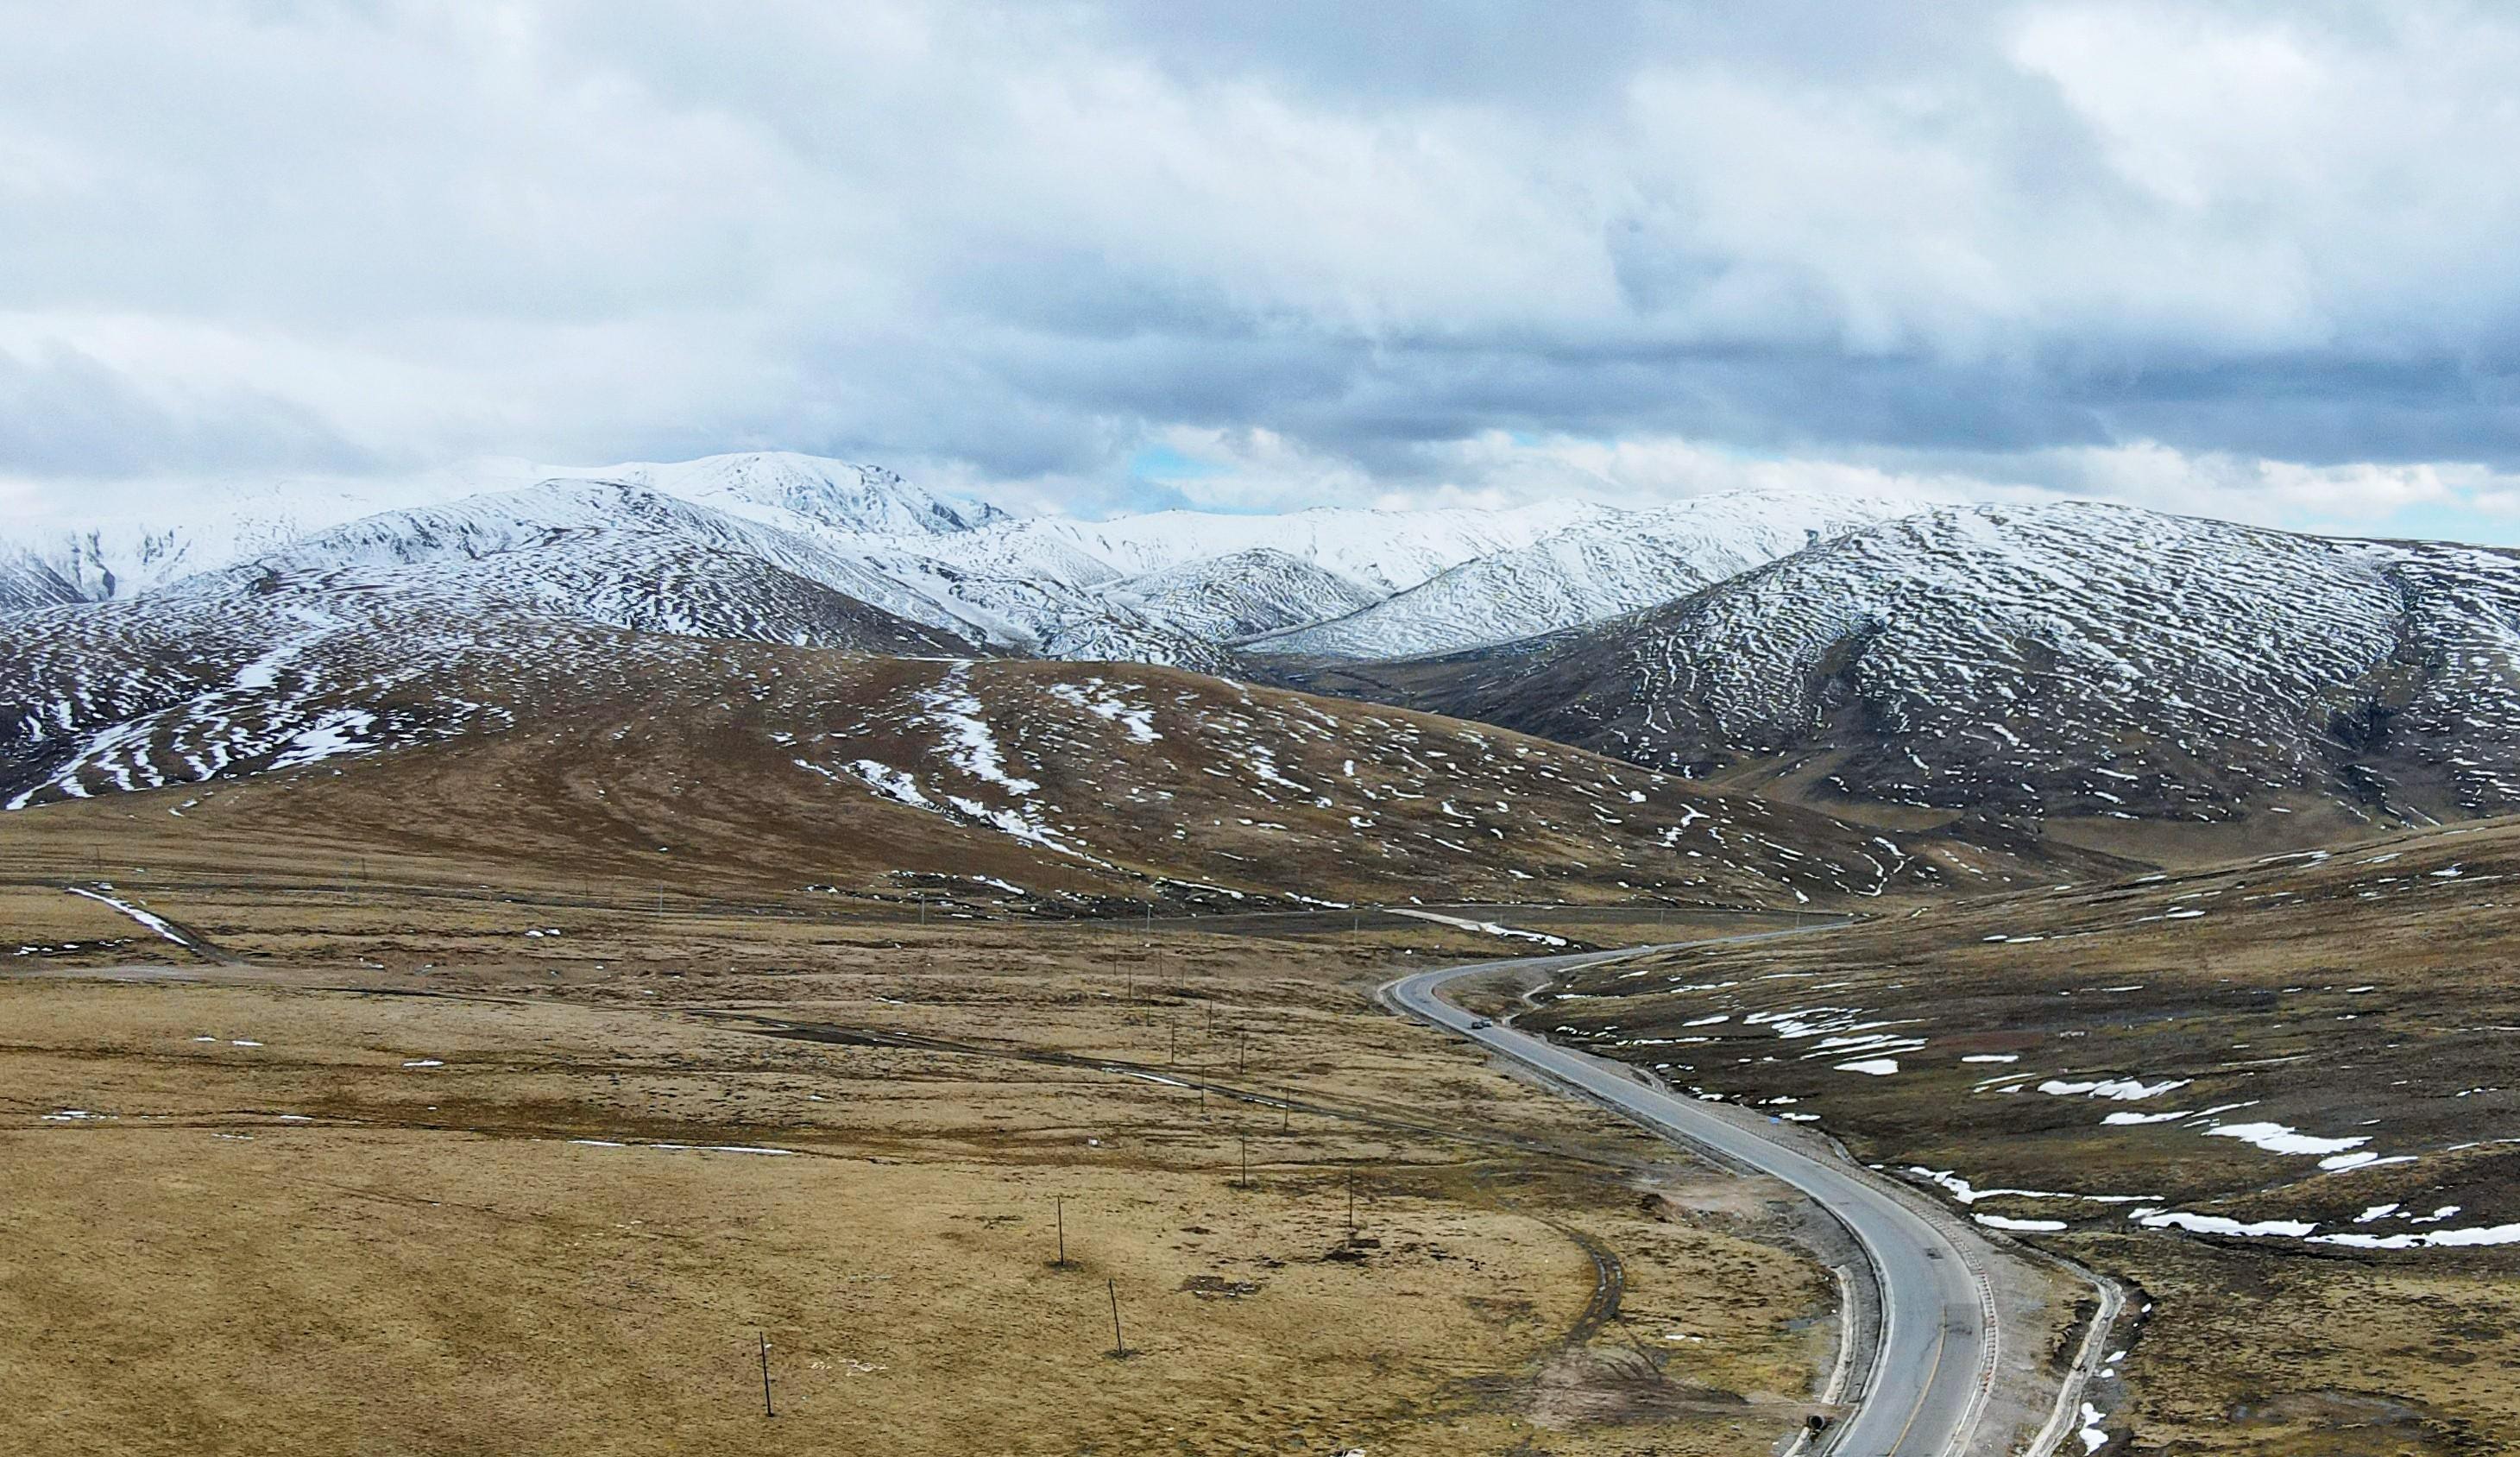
(388, 1178)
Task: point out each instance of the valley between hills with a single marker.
(471, 971)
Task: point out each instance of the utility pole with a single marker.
(1247, 1163)
(765, 1376)
(1119, 1347)
(1060, 1203)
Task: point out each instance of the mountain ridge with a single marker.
(1178, 587)
(2067, 660)
(1586, 572)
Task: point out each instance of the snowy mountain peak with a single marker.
(1242, 594)
(1597, 566)
(833, 494)
(121, 553)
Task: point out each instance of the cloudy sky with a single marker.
(2253, 260)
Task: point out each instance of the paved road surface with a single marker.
(1921, 1398)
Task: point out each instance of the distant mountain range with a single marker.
(1172, 587)
(1876, 657)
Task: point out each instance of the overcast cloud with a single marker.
(2251, 260)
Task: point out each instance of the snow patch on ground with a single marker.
(2278, 1138)
(968, 740)
(2217, 1224)
(136, 914)
(1483, 928)
(1104, 702)
(2019, 1226)
(2121, 1089)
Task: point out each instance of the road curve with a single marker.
(1921, 1396)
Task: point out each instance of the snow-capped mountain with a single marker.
(1244, 594)
(125, 552)
(785, 530)
(1596, 567)
(2070, 659)
(783, 489)
(1063, 588)
(1383, 551)
(531, 544)
(1169, 587)
(2075, 658)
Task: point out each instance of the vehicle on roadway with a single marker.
(1480, 1024)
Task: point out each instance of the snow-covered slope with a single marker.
(543, 526)
(124, 551)
(1594, 568)
(1106, 590)
(1387, 551)
(28, 582)
(1242, 594)
(160, 690)
(783, 489)
(2073, 659)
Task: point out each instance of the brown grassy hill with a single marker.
(1050, 786)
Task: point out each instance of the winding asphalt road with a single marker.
(1921, 1396)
